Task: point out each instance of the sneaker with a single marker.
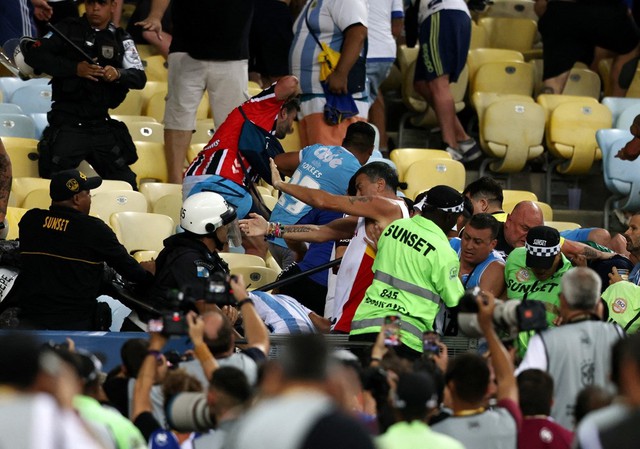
(456, 155)
(470, 150)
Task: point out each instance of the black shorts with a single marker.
(570, 32)
(270, 38)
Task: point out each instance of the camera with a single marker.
(189, 412)
(509, 317)
(218, 290)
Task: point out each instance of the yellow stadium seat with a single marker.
(406, 56)
(583, 82)
(522, 9)
(155, 68)
(156, 106)
(253, 88)
(146, 131)
(515, 196)
(151, 163)
(404, 157)
(132, 104)
(147, 50)
(112, 184)
(144, 256)
(269, 201)
(128, 119)
(562, 225)
(141, 231)
(193, 151)
(37, 199)
(204, 131)
(479, 56)
(242, 260)
(505, 77)
(511, 131)
(153, 191)
(13, 217)
(108, 202)
(169, 205)
(291, 142)
(21, 186)
(550, 102)
(24, 156)
(424, 174)
(255, 277)
(510, 33)
(478, 36)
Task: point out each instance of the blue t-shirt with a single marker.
(327, 168)
(473, 279)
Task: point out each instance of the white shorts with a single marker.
(226, 81)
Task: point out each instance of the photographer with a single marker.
(577, 353)
(467, 378)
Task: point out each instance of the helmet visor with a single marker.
(233, 233)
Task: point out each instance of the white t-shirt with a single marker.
(381, 43)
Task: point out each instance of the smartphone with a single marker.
(430, 342)
(155, 326)
(392, 330)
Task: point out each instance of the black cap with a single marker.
(67, 183)
(415, 391)
(543, 244)
(444, 198)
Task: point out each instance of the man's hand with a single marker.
(149, 265)
(89, 71)
(151, 24)
(614, 276)
(237, 285)
(337, 82)
(111, 74)
(231, 313)
(379, 349)
(157, 341)
(276, 182)
(196, 328)
(486, 305)
(630, 151)
(42, 10)
(254, 226)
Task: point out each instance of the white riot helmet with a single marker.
(204, 212)
(25, 70)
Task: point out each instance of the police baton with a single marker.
(73, 45)
(295, 277)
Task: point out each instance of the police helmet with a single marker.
(204, 212)
(24, 69)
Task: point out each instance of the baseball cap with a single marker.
(442, 197)
(542, 245)
(415, 390)
(67, 183)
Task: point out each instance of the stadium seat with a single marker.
(562, 225)
(424, 174)
(479, 56)
(23, 154)
(509, 33)
(515, 196)
(253, 88)
(242, 260)
(404, 157)
(10, 108)
(146, 131)
(112, 184)
(22, 185)
(193, 151)
(269, 201)
(155, 68)
(204, 131)
(622, 178)
(33, 98)
(550, 102)
(255, 277)
(519, 9)
(127, 119)
(617, 105)
(132, 104)
(478, 36)
(625, 120)
(151, 163)
(144, 256)
(141, 231)
(107, 202)
(41, 121)
(17, 125)
(37, 199)
(156, 105)
(505, 77)
(13, 217)
(583, 82)
(169, 205)
(9, 84)
(153, 191)
(571, 137)
(511, 131)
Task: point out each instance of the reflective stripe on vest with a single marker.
(407, 287)
(379, 322)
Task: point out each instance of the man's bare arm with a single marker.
(153, 22)
(288, 162)
(341, 228)
(572, 250)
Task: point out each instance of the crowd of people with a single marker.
(557, 364)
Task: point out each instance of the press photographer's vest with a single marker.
(414, 272)
(578, 355)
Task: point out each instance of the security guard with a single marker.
(83, 92)
(63, 251)
(415, 271)
(623, 303)
(190, 259)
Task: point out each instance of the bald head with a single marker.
(524, 216)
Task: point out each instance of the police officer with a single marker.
(415, 271)
(190, 259)
(62, 253)
(83, 92)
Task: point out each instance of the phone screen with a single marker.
(430, 342)
(155, 326)
(392, 330)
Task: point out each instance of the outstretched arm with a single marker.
(376, 207)
(573, 250)
(342, 228)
